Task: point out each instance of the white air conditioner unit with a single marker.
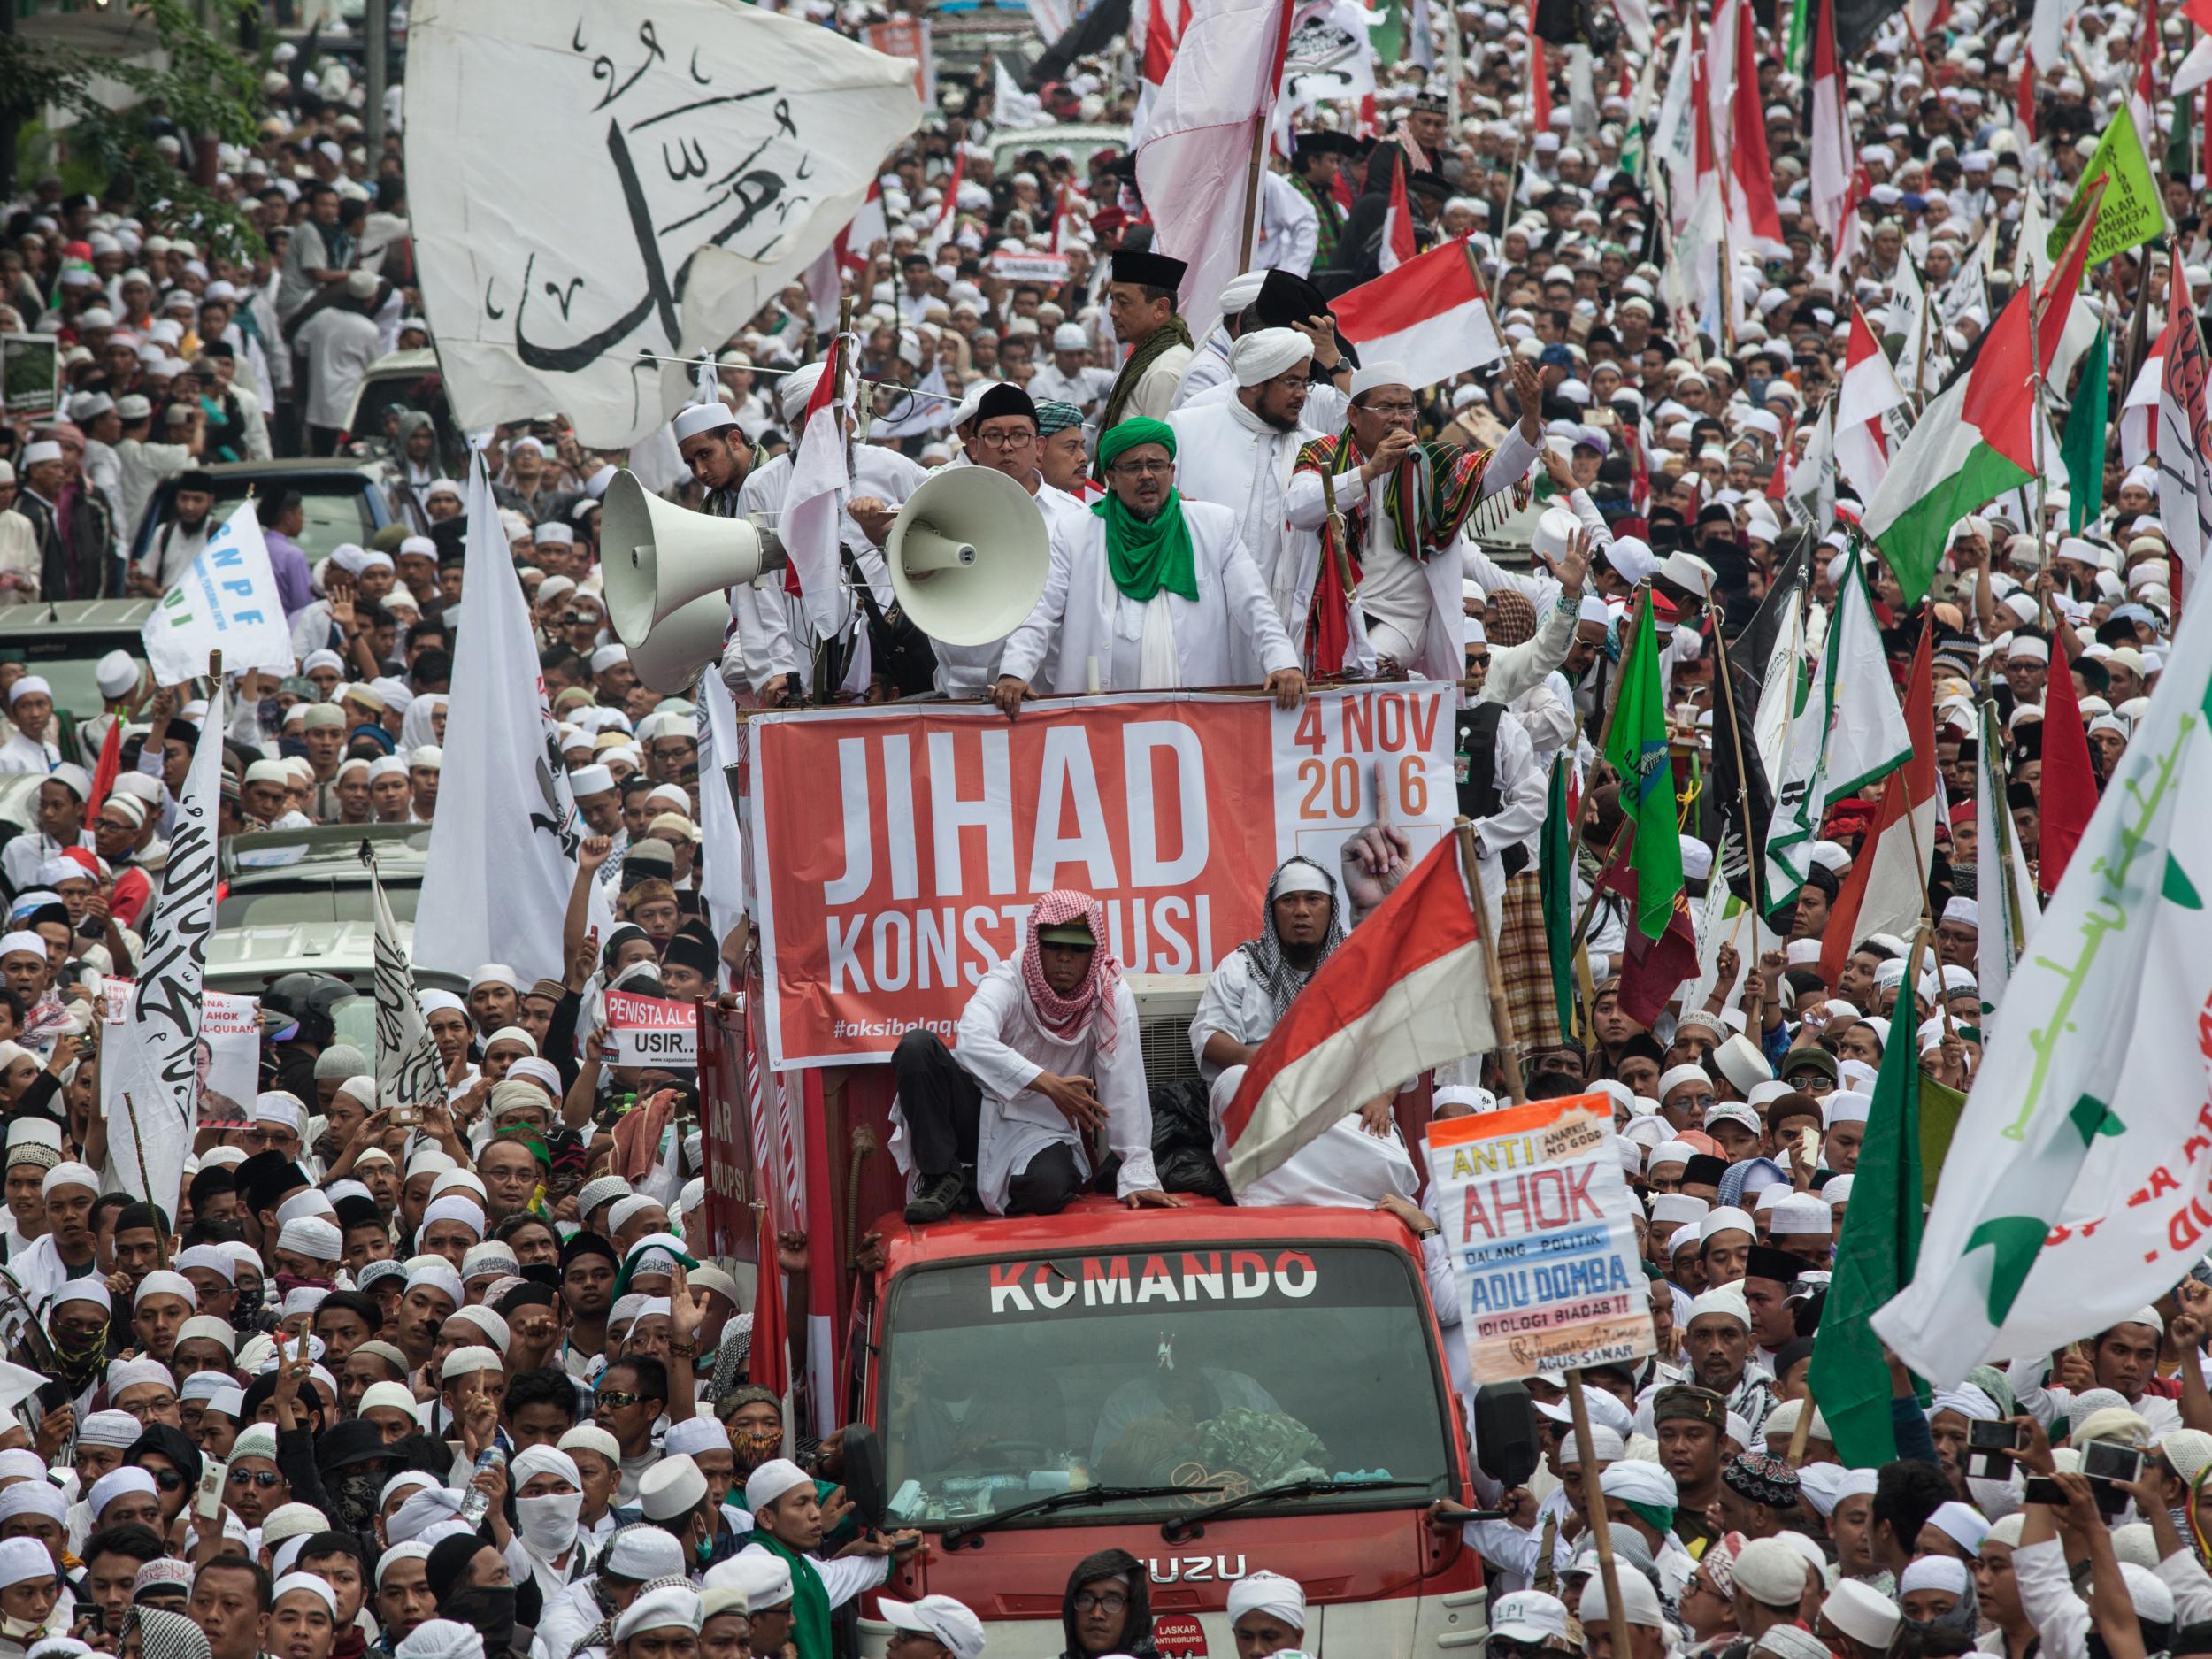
(1167, 1004)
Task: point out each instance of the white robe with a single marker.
(1392, 580)
(1226, 454)
(1230, 635)
(1290, 227)
(1004, 1047)
(1344, 1164)
(27, 754)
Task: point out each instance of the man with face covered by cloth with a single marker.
(1360, 1159)
(1047, 1052)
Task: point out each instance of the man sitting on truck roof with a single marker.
(1047, 1053)
(1360, 1159)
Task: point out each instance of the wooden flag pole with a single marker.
(1804, 1428)
(1593, 1503)
(138, 1146)
(1500, 1014)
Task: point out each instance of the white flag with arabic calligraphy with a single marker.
(598, 183)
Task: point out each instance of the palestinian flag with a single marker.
(1977, 440)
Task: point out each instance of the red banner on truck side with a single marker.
(896, 851)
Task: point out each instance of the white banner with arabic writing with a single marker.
(596, 184)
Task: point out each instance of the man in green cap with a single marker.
(1148, 591)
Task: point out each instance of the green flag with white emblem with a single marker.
(2073, 1198)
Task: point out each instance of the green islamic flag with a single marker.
(1939, 1110)
(2083, 447)
(1636, 749)
(1874, 1260)
(2132, 213)
(1555, 877)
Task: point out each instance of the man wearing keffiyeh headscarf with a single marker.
(1046, 1052)
(1358, 1160)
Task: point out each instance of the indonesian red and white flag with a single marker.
(1753, 218)
(1403, 993)
(1870, 391)
(1195, 160)
(949, 215)
(1060, 225)
(847, 251)
(1886, 891)
(1829, 196)
(1430, 314)
(1398, 245)
(1155, 29)
(812, 504)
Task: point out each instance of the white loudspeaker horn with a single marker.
(665, 571)
(968, 556)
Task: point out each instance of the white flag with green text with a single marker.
(2088, 1124)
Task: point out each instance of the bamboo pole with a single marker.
(1501, 1012)
(1601, 1524)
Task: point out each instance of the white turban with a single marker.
(798, 390)
(1935, 1572)
(1633, 1480)
(546, 1460)
(1265, 1592)
(1265, 353)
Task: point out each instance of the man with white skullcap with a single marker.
(1267, 1614)
(777, 651)
(1641, 1610)
(65, 1252)
(1068, 376)
(788, 1528)
(1408, 598)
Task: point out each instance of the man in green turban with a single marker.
(1148, 591)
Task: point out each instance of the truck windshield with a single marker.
(1216, 1368)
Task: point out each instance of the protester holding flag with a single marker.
(1830, 763)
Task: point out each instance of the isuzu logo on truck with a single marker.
(1194, 1569)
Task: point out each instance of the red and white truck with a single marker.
(1215, 1390)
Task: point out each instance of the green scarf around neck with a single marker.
(810, 1601)
(1145, 556)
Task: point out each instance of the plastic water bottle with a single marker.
(476, 1501)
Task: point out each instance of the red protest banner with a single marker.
(883, 904)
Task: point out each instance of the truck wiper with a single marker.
(1075, 1497)
(1182, 1526)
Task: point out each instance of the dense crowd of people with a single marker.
(455, 1380)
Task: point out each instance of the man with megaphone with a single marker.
(1148, 591)
(1002, 437)
(775, 654)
